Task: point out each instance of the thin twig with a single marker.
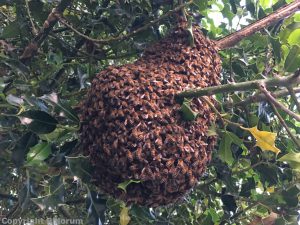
(285, 125)
(34, 30)
(32, 47)
(271, 99)
(258, 97)
(294, 97)
(8, 196)
(248, 168)
(279, 14)
(125, 36)
(211, 105)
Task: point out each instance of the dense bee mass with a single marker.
(132, 125)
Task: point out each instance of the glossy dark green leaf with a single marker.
(80, 167)
(247, 187)
(124, 185)
(268, 173)
(11, 30)
(292, 60)
(225, 152)
(291, 196)
(62, 106)
(276, 48)
(38, 153)
(238, 69)
(39, 122)
(202, 4)
(96, 207)
(250, 6)
(22, 147)
(187, 113)
(233, 6)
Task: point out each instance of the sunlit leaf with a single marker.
(225, 152)
(294, 38)
(187, 112)
(292, 60)
(293, 159)
(38, 153)
(124, 216)
(264, 139)
(124, 185)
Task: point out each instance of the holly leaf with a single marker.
(124, 216)
(38, 153)
(187, 112)
(264, 139)
(293, 159)
(124, 184)
(191, 34)
(225, 149)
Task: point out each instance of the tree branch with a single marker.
(271, 99)
(281, 13)
(243, 86)
(258, 97)
(281, 120)
(8, 196)
(294, 97)
(32, 47)
(125, 36)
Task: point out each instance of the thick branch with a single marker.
(243, 86)
(125, 36)
(32, 47)
(279, 14)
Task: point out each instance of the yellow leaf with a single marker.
(270, 189)
(264, 139)
(124, 217)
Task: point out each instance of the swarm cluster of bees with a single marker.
(133, 128)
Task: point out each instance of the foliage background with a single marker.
(41, 174)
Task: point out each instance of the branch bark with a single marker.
(271, 99)
(258, 97)
(32, 47)
(122, 37)
(243, 86)
(279, 14)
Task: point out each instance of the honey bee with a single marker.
(143, 175)
(196, 163)
(165, 172)
(133, 168)
(192, 181)
(174, 171)
(138, 154)
(163, 179)
(129, 156)
(106, 150)
(184, 169)
(189, 173)
(170, 163)
(147, 145)
(115, 144)
(196, 154)
(153, 152)
(187, 159)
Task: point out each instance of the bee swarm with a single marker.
(133, 126)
